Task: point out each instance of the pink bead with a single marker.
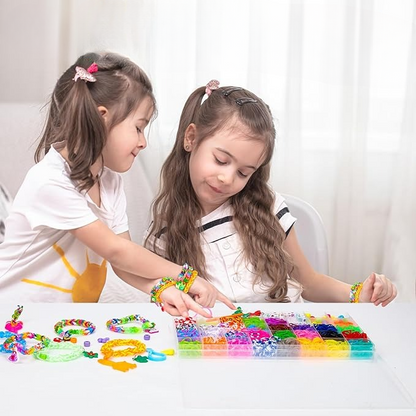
(14, 326)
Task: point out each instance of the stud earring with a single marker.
(187, 147)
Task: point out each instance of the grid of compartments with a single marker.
(273, 335)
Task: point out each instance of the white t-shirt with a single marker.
(222, 248)
(40, 260)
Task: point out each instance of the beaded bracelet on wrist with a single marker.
(159, 287)
(186, 278)
(116, 325)
(355, 292)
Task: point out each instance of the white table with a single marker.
(178, 386)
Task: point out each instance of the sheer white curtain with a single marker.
(338, 76)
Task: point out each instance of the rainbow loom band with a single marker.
(158, 288)
(15, 344)
(108, 351)
(184, 276)
(88, 329)
(14, 325)
(115, 324)
(190, 281)
(8, 334)
(355, 292)
(59, 352)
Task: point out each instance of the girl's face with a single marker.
(126, 139)
(222, 164)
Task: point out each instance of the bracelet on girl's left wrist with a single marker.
(355, 292)
(158, 288)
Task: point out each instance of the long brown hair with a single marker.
(176, 206)
(73, 111)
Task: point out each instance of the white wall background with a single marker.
(339, 76)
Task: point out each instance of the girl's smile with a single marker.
(222, 164)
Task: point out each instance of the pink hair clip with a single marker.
(211, 86)
(93, 68)
(85, 75)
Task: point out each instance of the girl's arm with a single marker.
(202, 291)
(135, 264)
(123, 254)
(321, 288)
(175, 302)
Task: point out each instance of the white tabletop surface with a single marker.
(178, 386)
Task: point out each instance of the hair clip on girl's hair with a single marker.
(211, 86)
(86, 74)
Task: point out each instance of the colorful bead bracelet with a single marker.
(184, 281)
(355, 292)
(108, 352)
(8, 334)
(108, 348)
(15, 344)
(158, 288)
(88, 329)
(186, 278)
(115, 324)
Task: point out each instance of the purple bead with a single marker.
(146, 337)
(87, 343)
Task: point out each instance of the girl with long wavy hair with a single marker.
(216, 209)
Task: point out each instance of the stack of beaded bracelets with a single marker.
(355, 292)
(184, 282)
(186, 278)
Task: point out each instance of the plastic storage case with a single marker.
(273, 335)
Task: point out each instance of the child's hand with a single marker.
(178, 303)
(378, 289)
(206, 294)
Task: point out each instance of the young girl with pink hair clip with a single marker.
(68, 220)
(232, 226)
